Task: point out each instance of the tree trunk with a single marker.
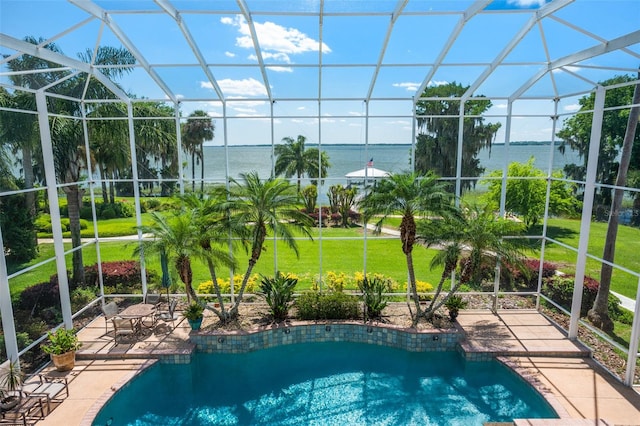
(201, 169)
(103, 175)
(193, 171)
(27, 167)
(74, 197)
(599, 314)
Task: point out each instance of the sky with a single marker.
(351, 47)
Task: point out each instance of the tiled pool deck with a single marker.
(524, 340)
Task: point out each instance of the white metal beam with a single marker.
(175, 14)
(591, 52)
(54, 208)
(544, 11)
(587, 210)
(48, 55)
(95, 10)
(394, 17)
(256, 44)
(472, 11)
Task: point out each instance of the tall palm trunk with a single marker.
(599, 314)
(103, 175)
(74, 197)
(27, 167)
(193, 171)
(201, 169)
(255, 255)
(408, 238)
(183, 265)
(222, 314)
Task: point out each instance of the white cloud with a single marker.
(245, 110)
(301, 108)
(244, 87)
(277, 42)
(281, 69)
(356, 114)
(278, 57)
(411, 87)
(229, 54)
(572, 107)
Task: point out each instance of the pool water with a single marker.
(333, 383)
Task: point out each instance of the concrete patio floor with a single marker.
(580, 390)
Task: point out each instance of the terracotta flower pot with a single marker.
(65, 361)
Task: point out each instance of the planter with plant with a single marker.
(278, 293)
(10, 383)
(194, 315)
(454, 304)
(62, 347)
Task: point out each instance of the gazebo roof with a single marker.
(367, 172)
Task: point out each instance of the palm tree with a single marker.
(24, 135)
(475, 232)
(293, 159)
(410, 195)
(198, 128)
(109, 143)
(263, 207)
(213, 229)
(176, 236)
(156, 142)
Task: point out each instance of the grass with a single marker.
(339, 254)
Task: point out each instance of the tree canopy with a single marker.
(576, 135)
(438, 124)
(526, 192)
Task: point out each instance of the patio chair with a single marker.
(28, 411)
(47, 387)
(124, 327)
(109, 311)
(170, 315)
(151, 299)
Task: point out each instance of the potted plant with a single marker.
(454, 304)
(194, 314)
(62, 348)
(10, 383)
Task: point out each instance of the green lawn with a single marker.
(340, 254)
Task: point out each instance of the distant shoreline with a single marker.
(530, 143)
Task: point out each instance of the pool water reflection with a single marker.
(325, 383)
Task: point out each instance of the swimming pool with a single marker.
(332, 383)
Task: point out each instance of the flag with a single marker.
(370, 163)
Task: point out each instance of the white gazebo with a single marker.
(366, 173)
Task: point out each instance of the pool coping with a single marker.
(392, 336)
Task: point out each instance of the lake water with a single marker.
(348, 158)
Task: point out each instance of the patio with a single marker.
(576, 386)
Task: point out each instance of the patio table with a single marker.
(138, 312)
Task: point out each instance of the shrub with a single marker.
(529, 277)
(336, 282)
(80, 297)
(319, 306)
(206, 287)
(278, 293)
(107, 212)
(560, 290)
(40, 296)
(151, 204)
(43, 223)
(372, 295)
